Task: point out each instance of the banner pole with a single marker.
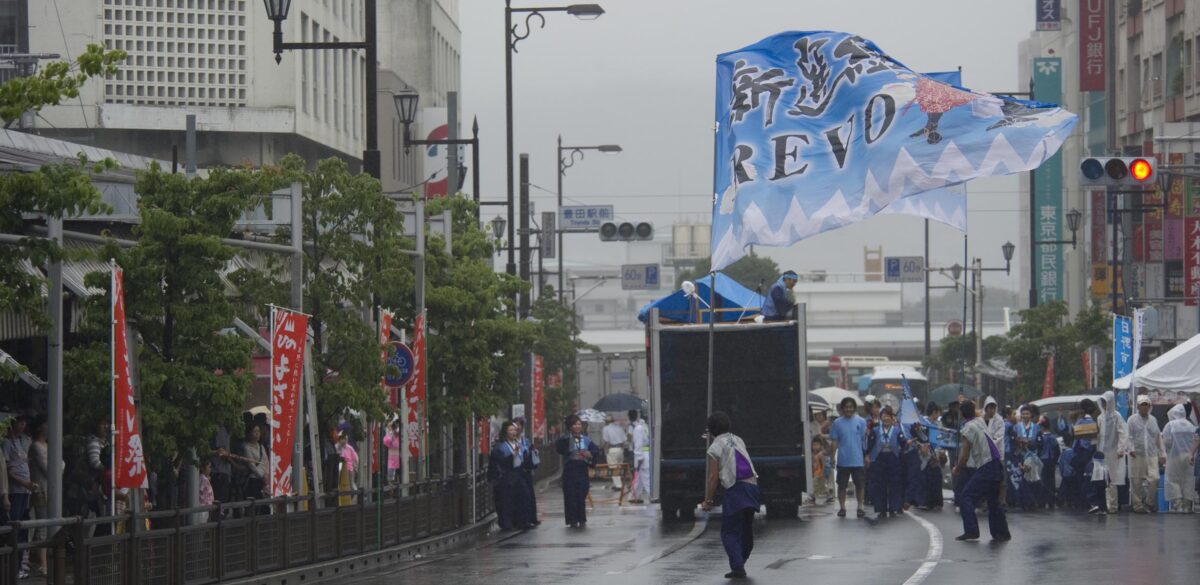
(112, 402)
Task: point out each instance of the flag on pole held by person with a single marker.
(289, 332)
(1048, 383)
(129, 469)
(909, 415)
(818, 130)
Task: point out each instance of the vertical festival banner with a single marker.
(1191, 260)
(483, 435)
(385, 335)
(1048, 178)
(1048, 383)
(289, 331)
(414, 393)
(1122, 347)
(539, 398)
(129, 469)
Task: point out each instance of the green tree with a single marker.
(751, 271)
(1046, 330)
(192, 375)
(957, 354)
(53, 191)
(558, 345)
(475, 346)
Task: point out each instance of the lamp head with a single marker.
(498, 225)
(585, 11)
(1007, 249)
(609, 148)
(277, 10)
(1073, 218)
(406, 105)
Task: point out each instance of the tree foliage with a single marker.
(55, 82)
(1046, 330)
(192, 374)
(558, 345)
(475, 346)
(751, 271)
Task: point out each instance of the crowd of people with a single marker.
(1093, 459)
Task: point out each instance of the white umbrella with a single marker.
(834, 395)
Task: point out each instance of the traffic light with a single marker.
(626, 231)
(1117, 171)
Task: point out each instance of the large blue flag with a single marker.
(817, 130)
(909, 415)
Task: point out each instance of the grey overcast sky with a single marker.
(642, 76)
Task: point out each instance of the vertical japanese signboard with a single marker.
(1049, 14)
(288, 334)
(129, 469)
(1091, 45)
(1173, 223)
(1047, 87)
(1191, 259)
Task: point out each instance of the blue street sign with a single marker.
(402, 358)
(640, 277)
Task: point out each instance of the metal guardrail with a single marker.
(243, 539)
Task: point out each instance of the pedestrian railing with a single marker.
(197, 546)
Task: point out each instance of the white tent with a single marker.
(1178, 370)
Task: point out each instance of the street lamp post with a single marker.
(565, 162)
(277, 11)
(1073, 219)
(511, 38)
(977, 271)
(406, 107)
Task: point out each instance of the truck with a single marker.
(759, 380)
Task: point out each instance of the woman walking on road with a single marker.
(508, 458)
(729, 463)
(579, 453)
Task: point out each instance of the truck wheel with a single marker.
(670, 511)
(687, 513)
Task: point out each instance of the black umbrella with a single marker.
(620, 403)
(947, 393)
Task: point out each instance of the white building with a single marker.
(214, 59)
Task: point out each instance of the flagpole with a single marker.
(112, 402)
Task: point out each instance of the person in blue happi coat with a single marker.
(912, 462)
(779, 304)
(579, 453)
(1088, 460)
(1024, 435)
(886, 480)
(528, 469)
(506, 466)
(1048, 452)
(931, 462)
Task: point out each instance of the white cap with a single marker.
(1143, 399)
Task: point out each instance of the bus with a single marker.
(887, 385)
(854, 374)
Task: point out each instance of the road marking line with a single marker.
(933, 556)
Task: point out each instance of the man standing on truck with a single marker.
(779, 303)
(640, 492)
(849, 434)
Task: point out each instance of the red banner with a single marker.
(539, 397)
(1091, 45)
(414, 393)
(385, 335)
(1191, 259)
(1087, 369)
(484, 432)
(289, 331)
(1048, 383)
(128, 456)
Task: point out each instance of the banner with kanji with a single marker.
(1191, 260)
(1048, 383)
(414, 393)
(539, 398)
(128, 456)
(385, 334)
(289, 331)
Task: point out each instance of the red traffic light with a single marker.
(1140, 169)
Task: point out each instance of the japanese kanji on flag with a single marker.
(289, 331)
(539, 397)
(414, 393)
(128, 456)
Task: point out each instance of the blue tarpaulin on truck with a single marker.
(734, 302)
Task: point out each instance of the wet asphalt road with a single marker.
(629, 546)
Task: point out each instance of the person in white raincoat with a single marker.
(1112, 442)
(1179, 438)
